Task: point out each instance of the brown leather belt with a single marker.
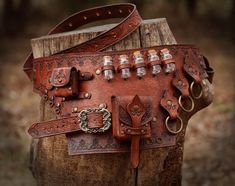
(138, 93)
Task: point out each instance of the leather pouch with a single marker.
(123, 128)
(131, 118)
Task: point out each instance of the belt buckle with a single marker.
(84, 123)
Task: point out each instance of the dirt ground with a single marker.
(209, 146)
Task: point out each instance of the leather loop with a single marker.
(123, 66)
(107, 67)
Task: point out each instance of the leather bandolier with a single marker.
(109, 102)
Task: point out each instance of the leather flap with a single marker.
(123, 115)
(60, 76)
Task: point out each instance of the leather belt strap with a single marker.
(54, 127)
(130, 23)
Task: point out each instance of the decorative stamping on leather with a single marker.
(122, 120)
(60, 76)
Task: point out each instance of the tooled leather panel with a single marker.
(125, 117)
(149, 85)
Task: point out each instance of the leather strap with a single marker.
(54, 127)
(131, 22)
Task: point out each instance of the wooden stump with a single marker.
(50, 162)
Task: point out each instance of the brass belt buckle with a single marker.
(84, 123)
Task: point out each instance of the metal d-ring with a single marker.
(169, 129)
(192, 92)
(182, 106)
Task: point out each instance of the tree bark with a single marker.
(50, 162)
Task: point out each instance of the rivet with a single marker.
(142, 131)
(179, 82)
(84, 17)
(154, 119)
(122, 132)
(83, 75)
(87, 95)
(56, 88)
(49, 80)
(98, 71)
(46, 91)
(52, 98)
(58, 104)
(70, 88)
(75, 109)
(102, 105)
(97, 14)
(114, 36)
(128, 130)
(169, 102)
(120, 11)
(70, 24)
(63, 98)
(122, 125)
(109, 12)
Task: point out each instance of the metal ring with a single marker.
(181, 105)
(192, 93)
(172, 131)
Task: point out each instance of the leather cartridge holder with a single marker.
(109, 102)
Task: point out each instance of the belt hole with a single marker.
(84, 17)
(109, 12)
(97, 14)
(70, 24)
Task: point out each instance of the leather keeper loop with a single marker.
(107, 67)
(139, 65)
(167, 61)
(123, 66)
(152, 63)
(135, 131)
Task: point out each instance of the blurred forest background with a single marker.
(210, 143)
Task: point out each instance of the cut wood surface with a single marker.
(50, 162)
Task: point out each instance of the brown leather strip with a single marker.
(139, 65)
(131, 22)
(181, 83)
(168, 61)
(107, 67)
(122, 66)
(170, 104)
(54, 127)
